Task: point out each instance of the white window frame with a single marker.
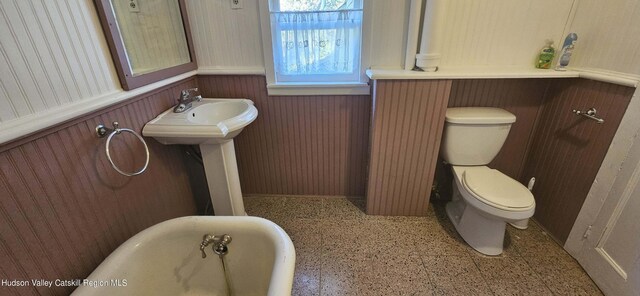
(275, 88)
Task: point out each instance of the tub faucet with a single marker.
(219, 244)
(186, 99)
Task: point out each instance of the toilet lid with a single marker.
(496, 189)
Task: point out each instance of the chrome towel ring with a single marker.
(102, 131)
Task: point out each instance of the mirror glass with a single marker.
(153, 34)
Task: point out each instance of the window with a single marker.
(314, 42)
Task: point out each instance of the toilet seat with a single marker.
(496, 189)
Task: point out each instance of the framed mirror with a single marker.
(149, 40)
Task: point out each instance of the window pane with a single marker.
(317, 43)
(318, 5)
(317, 46)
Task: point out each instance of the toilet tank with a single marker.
(474, 135)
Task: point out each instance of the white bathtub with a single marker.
(165, 259)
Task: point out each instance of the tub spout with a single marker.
(220, 246)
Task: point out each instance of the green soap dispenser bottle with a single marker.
(545, 58)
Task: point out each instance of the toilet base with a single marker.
(522, 224)
(482, 226)
(483, 234)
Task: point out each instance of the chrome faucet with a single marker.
(219, 244)
(186, 99)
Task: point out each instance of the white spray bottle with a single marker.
(567, 50)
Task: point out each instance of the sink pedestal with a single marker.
(221, 170)
(212, 124)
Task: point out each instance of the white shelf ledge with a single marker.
(491, 73)
(376, 74)
(609, 76)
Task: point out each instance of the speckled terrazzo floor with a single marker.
(342, 251)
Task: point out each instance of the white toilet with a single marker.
(484, 199)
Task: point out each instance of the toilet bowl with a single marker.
(484, 199)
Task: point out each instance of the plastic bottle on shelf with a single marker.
(567, 50)
(545, 58)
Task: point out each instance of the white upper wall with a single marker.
(496, 33)
(608, 36)
(225, 38)
(477, 34)
(388, 33)
(55, 65)
(52, 53)
(500, 33)
(228, 40)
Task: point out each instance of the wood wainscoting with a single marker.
(63, 209)
(522, 97)
(298, 145)
(567, 149)
(408, 117)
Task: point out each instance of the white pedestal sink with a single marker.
(212, 124)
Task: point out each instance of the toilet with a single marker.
(484, 199)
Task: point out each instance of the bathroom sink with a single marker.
(211, 124)
(210, 121)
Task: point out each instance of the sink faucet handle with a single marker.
(206, 240)
(186, 92)
(204, 255)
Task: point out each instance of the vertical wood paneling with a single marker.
(607, 35)
(226, 38)
(498, 33)
(522, 97)
(407, 122)
(567, 150)
(63, 209)
(51, 53)
(298, 145)
(389, 25)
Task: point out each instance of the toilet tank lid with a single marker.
(479, 115)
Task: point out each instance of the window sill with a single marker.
(317, 89)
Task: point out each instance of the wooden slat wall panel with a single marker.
(63, 209)
(600, 27)
(298, 145)
(52, 53)
(408, 119)
(567, 150)
(522, 97)
(225, 38)
(500, 34)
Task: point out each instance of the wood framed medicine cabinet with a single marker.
(149, 40)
